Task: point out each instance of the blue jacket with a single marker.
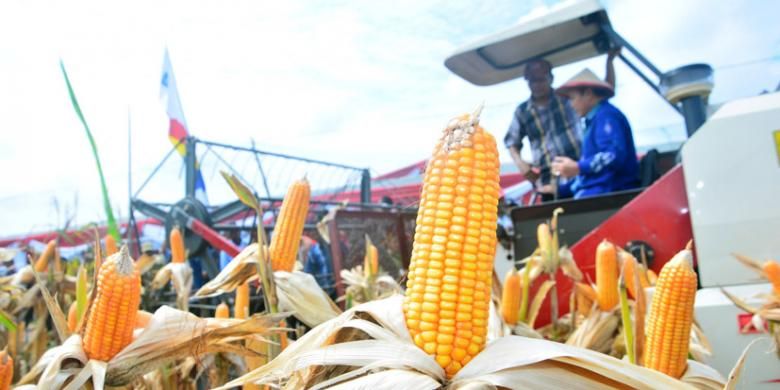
(608, 162)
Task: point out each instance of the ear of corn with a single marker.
(176, 241)
(42, 264)
(671, 316)
(607, 275)
(222, 311)
(371, 260)
(772, 272)
(510, 297)
(142, 319)
(73, 317)
(450, 275)
(630, 269)
(113, 313)
(586, 295)
(241, 309)
(6, 370)
(289, 226)
(111, 246)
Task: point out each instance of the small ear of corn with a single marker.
(450, 274)
(73, 314)
(111, 246)
(371, 260)
(222, 311)
(6, 370)
(113, 313)
(671, 316)
(241, 309)
(510, 297)
(772, 272)
(586, 295)
(142, 319)
(42, 264)
(289, 226)
(630, 267)
(176, 241)
(607, 275)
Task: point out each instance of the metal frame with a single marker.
(399, 217)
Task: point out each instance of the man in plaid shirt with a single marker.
(551, 125)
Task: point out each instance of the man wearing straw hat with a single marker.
(550, 124)
(608, 160)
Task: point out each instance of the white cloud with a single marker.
(356, 83)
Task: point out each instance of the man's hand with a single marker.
(531, 175)
(564, 166)
(612, 53)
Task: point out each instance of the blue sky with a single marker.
(359, 83)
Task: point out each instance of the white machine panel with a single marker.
(732, 179)
(718, 317)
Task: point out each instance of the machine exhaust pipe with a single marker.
(689, 85)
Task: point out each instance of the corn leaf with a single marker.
(113, 230)
(539, 298)
(81, 292)
(244, 194)
(57, 316)
(6, 321)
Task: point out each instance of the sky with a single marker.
(353, 82)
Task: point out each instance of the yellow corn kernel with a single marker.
(289, 226)
(453, 246)
(671, 316)
(113, 313)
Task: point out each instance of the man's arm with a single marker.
(610, 79)
(611, 142)
(514, 141)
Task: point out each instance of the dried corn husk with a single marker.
(172, 334)
(384, 357)
(300, 294)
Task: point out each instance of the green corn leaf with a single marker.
(112, 226)
(81, 293)
(244, 194)
(6, 321)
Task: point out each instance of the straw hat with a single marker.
(585, 79)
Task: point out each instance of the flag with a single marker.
(177, 130)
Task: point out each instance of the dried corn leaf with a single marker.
(299, 292)
(539, 298)
(241, 269)
(391, 379)
(509, 361)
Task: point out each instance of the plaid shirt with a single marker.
(552, 130)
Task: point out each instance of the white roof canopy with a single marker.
(566, 33)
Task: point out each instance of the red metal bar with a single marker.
(335, 250)
(214, 238)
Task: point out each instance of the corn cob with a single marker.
(607, 275)
(222, 311)
(586, 295)
(371, 260)
(450, 275)
(73, 319)
(42, 264)
(142, 319)
(6, 370)
(630, 267)
(176, 242)
(289, 226)
(111, 246)
(510, 297)
(772, 271)
(671, 316)
(241, 309)
(113, 313)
